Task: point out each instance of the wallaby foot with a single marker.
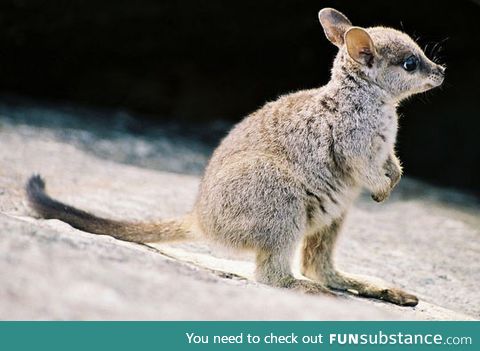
(305, 286)
(273, 268)
(359, 287)
(356, 286)
(317, 264)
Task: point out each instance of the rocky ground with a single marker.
(423, 239)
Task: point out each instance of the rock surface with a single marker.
(424, 239)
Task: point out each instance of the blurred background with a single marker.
(201, 63)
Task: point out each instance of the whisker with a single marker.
(435, 48)
(426, 48)
(447, 84)
(423, 98)
(416, 37)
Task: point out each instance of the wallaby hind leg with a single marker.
(273, 268)
(317, 264)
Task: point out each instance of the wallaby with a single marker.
(288, 173)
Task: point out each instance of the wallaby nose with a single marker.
(441, 70)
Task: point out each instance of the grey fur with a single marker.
(288, 173)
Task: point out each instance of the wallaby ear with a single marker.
(335, 24)
(360, 46)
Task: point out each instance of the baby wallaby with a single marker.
(288, 173)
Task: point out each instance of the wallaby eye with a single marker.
(411, 63)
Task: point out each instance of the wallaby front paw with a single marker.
(394, 176)
(380, 197)
(393, 171)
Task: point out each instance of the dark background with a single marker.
(201, 61)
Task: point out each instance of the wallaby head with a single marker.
(384, 56)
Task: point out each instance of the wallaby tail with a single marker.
(45, 206)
